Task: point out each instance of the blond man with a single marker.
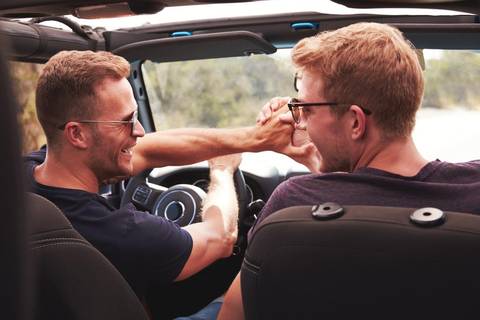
(359, 88)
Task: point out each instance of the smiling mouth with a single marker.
(128, 151)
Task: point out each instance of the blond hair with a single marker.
(371, 65)
(66, 87)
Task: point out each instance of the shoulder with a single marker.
(298, 189)
(130, 231)
(297, 181)
(162, 246)
(33, 159)
(36, 156)
(468, 165)
(147, 228)
(146, 247)
(289, 193)
(456, 172)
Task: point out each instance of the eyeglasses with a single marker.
(294, 105)
(133, 121)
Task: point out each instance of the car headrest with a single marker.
(45, 220)
(330, 261)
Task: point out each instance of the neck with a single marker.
(64, 171)
(399, 156)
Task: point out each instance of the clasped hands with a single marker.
(299, 147)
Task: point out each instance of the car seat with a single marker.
(362, 262)
(72, 279)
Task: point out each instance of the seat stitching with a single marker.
(65, 239)
(62, 244)
(50, 231)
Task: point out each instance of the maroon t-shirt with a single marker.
(447, 186)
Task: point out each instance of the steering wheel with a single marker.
(182, 203)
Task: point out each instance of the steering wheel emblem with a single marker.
(174, 211)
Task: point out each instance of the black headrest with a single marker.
(72, 279)
(44, 216)
(363, 262)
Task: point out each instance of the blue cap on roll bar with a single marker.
(180, 34)
(304, 26)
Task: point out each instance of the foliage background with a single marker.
(24, 76)
(229, 92)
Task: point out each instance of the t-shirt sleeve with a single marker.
(33, 159)
(150, 250)
(164, 246)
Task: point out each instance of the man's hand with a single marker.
(273, 134)
(270, 107)
(299, 147)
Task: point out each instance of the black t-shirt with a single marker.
(148, 250)
(447, 186)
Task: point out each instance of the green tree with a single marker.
(214, 93)
(452, 80)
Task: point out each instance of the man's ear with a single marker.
(76, 135)
(358, 122)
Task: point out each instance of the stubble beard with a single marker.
(102, 162)
(339, 162)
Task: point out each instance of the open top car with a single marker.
(216, 68)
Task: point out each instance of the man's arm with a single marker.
(232, 307)
(214, 237)
(186, 146)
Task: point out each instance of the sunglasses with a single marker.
(133, 122)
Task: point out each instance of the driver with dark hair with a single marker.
(89, 115)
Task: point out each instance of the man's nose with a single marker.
(138, 130)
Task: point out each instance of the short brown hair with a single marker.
(371, 65)
(66, 87)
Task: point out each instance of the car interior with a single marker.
(304, 262)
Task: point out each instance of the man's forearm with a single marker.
(187, 146)
(222, 198)
(214, 237)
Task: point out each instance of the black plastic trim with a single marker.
(140, 93)
(203, 46)
(26, 45)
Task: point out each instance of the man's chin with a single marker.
(125, 169)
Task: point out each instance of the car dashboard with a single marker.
(263, 172)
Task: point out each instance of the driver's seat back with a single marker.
(72, 279)
(369, 263)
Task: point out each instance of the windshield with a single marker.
(215, 93)
(229, 92)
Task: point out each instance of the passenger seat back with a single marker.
(363, 263)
